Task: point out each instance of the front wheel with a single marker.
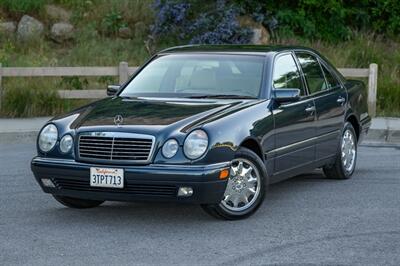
(345, 161)
(77, 203)
(245, 189)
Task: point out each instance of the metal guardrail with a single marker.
(123, 71)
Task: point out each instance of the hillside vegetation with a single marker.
(98, 41)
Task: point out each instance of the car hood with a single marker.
(153, 112)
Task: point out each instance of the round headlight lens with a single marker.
(48, 138)
(66, 143)
(170, 148)
(195, 144)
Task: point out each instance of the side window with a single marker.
(312, 72)
(286, 74)
(333, 83)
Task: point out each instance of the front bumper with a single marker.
(142, 183)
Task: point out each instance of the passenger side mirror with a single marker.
(286, 95)
(112, 90)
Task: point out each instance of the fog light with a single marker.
(47, 182)
(185, 192)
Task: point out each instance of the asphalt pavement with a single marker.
(305, 220)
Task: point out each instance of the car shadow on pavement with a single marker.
(143, 213)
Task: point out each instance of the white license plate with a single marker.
(106, 177)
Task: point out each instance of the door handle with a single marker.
(341, 100)
(310, 109)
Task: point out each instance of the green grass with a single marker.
(26, 97)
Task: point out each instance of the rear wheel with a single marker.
(345, 162)
(245, 189)
(77, 203)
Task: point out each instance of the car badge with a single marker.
(118, 120)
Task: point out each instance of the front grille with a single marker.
(118, 147)
(132, 189)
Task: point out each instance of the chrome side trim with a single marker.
(300, 144)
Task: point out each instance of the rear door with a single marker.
(329, 97)
(294, 122)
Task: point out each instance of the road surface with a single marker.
(305, 220)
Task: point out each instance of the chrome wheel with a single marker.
(348, 151)
(243, 186)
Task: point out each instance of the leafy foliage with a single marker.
(22, 6)
(330, 20)
(112, 22)
(74, 82)
(216, 23)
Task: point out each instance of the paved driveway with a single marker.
(305, 220)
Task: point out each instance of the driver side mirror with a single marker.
(286, 95)
(112, 90)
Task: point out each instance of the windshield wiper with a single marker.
(220, 96)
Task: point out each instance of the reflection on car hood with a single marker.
(153, 111)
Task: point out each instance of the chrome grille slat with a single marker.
(109, 148)
(115, 147)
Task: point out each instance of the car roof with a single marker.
(234, 48)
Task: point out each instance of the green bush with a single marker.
(22, 6)
(112, 22)
(330, 20)
(27, 101)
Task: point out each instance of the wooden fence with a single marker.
(124, 71)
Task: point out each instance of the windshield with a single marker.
(199, 75)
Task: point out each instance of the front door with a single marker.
(329, 97)
(294, 122)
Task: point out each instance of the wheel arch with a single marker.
(352, 119)
(253, 145)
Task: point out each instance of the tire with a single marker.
(241, 182)
(340, 169)
(77, 203)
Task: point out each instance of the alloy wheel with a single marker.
(348, 151)
(243, 186)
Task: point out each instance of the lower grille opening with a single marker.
(130, 188)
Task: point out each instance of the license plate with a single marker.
(106, 177)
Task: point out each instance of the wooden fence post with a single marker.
(372, 89)
(123, 72)
(1, 87)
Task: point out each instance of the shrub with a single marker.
(198, 22)
(112, 22)
(22, 6)
(329, 20)
(26, 101)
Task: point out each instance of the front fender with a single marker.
(228, 133)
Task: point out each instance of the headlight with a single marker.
(195, 144)
(170, 148)
(48, 138)
(66, 143)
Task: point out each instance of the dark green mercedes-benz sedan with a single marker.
(210, 125)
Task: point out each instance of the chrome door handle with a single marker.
(310, 109)
(341, 99)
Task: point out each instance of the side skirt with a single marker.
(305, 168)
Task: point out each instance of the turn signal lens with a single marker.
(224, 174)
